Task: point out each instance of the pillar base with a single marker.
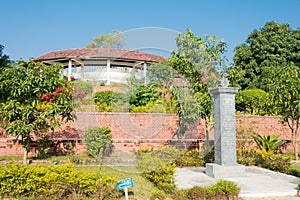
(221, 171)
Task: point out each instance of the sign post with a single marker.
(124, 184)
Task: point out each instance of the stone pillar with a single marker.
(225, 165)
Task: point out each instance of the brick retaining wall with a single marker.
(131, 131)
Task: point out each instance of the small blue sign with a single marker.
(125, 183)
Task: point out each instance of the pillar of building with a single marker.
(69, 70)
(225, 165)
(82, 72)
(145, 72)
(108, 72)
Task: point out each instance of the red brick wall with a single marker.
(131, 131)
(265, 125)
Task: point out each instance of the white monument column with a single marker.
(225, 165)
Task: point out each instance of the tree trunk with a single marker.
(25, 156)
(296, 147)
(207, 132)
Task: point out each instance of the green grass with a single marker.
(142, 189)
(10, 158)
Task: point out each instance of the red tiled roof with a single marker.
(101, 53)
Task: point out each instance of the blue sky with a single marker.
(30, 28)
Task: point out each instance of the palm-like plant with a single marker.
(268, 142)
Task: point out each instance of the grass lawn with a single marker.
(142, 189)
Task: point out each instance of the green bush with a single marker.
(158, 166)
(268, 142)
(273, 161)
(179, 194)
(246, 157)
(142, 94)
(98, 141)
(53, 182)
(158, 195)
(196, 193)
(190, 158)
(158, 171)
(223, 189)
(103, 97)
(269, 160)
(108, 101)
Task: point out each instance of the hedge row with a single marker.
(54, 182)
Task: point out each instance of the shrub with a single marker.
(157, 166)
(98, 141)
(167, 154)
(272, 161)
(246, 157)
(268, 142)
(223, 189)
(142, 94)
(151, 107)
(82, 89)
(107, 100)
(191, 158)
(269, 160)
(197, 192)
(53, 182)
(103, 97)
(179, 195)
(158, 171)
(158, 195)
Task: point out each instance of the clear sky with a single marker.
(30, 28)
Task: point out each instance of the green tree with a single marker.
(4, 62)
(144, 93)
(98, 140)
(253, 101)
(285, 98)
(110, 40)
(38, 100)
(271, 46)
(162, 74)
(195, 54)
(4, 59)
(204, 53)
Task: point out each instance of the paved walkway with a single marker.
(258, 184)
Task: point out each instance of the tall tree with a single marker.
(204, 53)
(271, 46)
(285, 92)
(111, 40)
(161, 73)
(4, 59)
(194, 55)
(38, 100)
(4, 62)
